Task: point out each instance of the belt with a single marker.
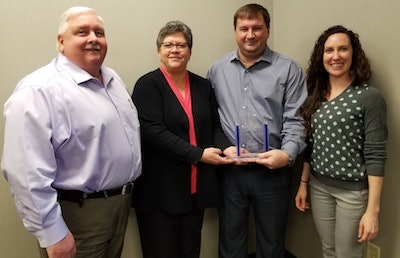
(79, 196)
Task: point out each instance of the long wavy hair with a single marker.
(318, 78)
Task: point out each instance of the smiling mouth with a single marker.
(93, 47)
(251, 42)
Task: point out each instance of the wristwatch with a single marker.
(290, 162)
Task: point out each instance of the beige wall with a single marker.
(296, 26)
(28, 41)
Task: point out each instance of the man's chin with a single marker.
(252, 48)
(95, 59)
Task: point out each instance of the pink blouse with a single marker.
(186, 103)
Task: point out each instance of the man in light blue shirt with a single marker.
(259, 93)
(72, 145)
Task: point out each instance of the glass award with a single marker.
(248, 141)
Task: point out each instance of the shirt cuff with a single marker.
(53, 234)
(292, 149)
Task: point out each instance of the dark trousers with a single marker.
(165, 235)
(267, 192)
(98, 226)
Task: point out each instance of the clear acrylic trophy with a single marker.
(247, 145)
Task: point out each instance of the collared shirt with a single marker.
(66, 130)
(269, 92)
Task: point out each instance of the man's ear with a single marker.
(60, 43)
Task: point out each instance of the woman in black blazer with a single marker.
(179, 125)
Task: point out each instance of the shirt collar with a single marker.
(265, 57)
(78, 74)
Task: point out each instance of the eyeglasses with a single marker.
(170, 45)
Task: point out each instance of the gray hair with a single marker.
(173, 27)
(71, 12)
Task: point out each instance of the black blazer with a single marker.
(167, 154)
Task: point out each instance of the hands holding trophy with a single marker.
(251, 149)
(247, 147)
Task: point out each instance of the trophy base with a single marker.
(246, 157)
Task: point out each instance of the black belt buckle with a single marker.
(127, 188)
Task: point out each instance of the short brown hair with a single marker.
(250, 11)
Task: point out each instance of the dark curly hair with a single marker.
(318, 78)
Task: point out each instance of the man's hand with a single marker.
(63, 249)
(273, 159)
(231, 153)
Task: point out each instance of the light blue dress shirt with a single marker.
(270, 92)
(66, 130)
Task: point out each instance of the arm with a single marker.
(375, 157)
(301, 196)
(214, 155)
(293, 136)
(369, 223)
(29, 165)
(220, 139)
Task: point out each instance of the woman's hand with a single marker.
(213, 156)
(369, 224)
(302, 192)
(368, 227)
(301, 197)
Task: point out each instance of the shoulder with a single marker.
(199, 84)
(281, 59)
(152, 83)
(370, 98)
(150, 74)
(227, 58)
(38, 84)
(197, 78)
(39, 78)
(33, 90)
(368, 93)
(153, 76)
(369, 90)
